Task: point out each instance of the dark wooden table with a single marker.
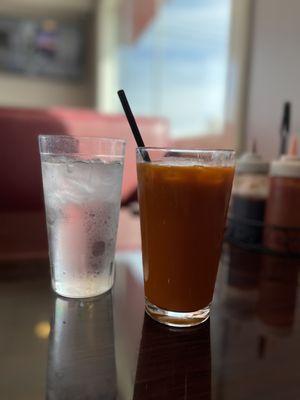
(106, 348)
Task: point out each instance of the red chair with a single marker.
(21, 199)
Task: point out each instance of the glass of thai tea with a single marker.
(183, 197)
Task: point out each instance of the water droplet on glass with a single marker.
(98, 248)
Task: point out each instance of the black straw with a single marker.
(133, 125)
(285, 127)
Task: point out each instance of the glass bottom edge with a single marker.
(177, 319)
(74, 295)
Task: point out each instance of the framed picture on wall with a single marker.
(44, 47)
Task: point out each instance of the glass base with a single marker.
(177, 319)
(77, 292)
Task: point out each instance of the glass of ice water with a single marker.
(82, 179)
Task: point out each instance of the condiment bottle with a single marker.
(282, 231)
(249, 194)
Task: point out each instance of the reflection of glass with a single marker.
(81, 358)
(244, 268)
(234, 326)
(128, 307)
(173, 363)
(277, 292)
(257, 310)
(242, 281)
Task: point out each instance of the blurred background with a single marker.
(197, 73)
(170, 56)
(205, 73)
(217, 70)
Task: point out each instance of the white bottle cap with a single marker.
(252, 163)
(287, 166)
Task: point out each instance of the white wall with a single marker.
(20, 91)
(43, 7)
(274, 71)
(237, 71)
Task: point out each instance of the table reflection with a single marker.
(277, 293)
(173, 363)
(255, 319)
(261, 286)
(81, 361)
(128, 306)
(241, 293)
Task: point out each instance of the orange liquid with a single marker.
(183, 212)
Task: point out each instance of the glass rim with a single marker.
(79, 137)
(188, 150)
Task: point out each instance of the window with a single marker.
(173, 62)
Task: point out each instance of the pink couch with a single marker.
(21, 187)
(20, 182)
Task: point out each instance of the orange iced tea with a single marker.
(183, 206)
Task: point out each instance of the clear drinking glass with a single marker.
(184, 197)
(82, 179)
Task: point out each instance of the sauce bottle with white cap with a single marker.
(249, 194)
(282, 219)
